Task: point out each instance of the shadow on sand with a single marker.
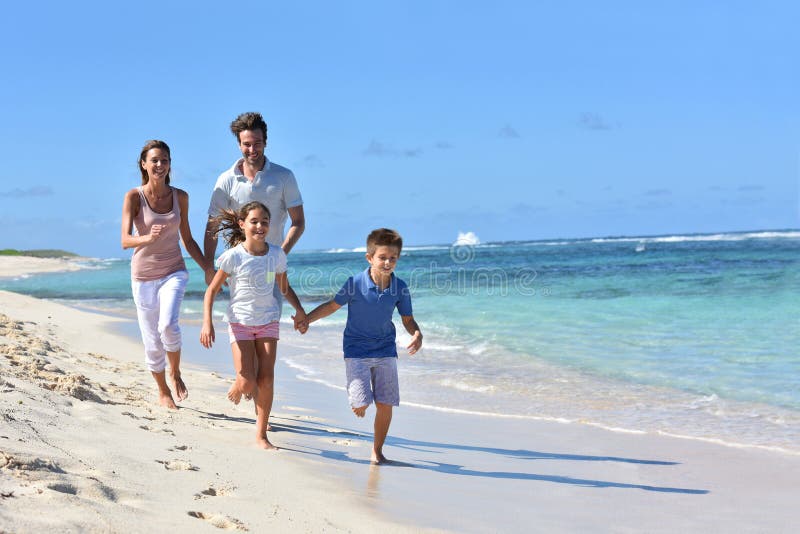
(323, 431)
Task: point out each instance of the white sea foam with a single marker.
(484, 414)
(478, 349)
(441, 347)
(463, 386)
(425, 247)
(616, 429)
(466, 238)
(305, 370)
(732, 444)
(789, 234)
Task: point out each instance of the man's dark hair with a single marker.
(249, 121)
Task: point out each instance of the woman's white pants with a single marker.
(158, 304)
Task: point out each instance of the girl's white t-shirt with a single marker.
(251, 280)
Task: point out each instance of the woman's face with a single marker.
(156, 164)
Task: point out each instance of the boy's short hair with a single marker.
(383, 237)
(249, 121)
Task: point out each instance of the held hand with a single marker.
(416, 343)
(207, 336)
(300, 322)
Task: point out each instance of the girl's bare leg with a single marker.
(266, 349)
(243, 353)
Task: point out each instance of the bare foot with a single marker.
(264, 443)
(165, 400)
(234, 395)
(360, 411)
(378, 458)
(180, 388)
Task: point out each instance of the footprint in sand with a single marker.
(344, 442)
(163, 430)
(220, 521)
(10, 462)
(211, 491)
(208, 492)
(180, 448)
(177, 465)
(63, 488)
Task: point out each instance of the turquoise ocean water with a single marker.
(689, 335)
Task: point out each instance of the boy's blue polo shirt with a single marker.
(370, 332)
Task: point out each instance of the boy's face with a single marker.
(383, 260)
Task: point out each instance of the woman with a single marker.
(159, 212)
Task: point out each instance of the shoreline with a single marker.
(558, 371)
(108, 464)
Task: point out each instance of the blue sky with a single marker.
(511, 119)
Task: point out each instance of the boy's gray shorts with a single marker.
(371, 379)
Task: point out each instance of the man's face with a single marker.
(252, 144)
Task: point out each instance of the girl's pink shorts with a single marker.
(241, 332)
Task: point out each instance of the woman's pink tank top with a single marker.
(162, 257)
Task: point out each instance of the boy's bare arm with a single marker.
(323, 310)
(412, 328)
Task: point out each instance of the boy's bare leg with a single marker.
(245, 384)
(164, 393)
(265, 350)
(175, 374)
(383, 418)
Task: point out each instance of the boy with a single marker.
(370, 353)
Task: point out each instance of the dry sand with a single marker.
(11, 266)
(85, 448)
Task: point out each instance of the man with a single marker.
(254, 177)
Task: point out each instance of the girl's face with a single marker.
(255, 225)
(156, 163)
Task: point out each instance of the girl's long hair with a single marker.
(227, 222)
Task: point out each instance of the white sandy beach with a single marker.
(84, 447)
(22, 265)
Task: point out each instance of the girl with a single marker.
(254, 267)
(158, 272)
